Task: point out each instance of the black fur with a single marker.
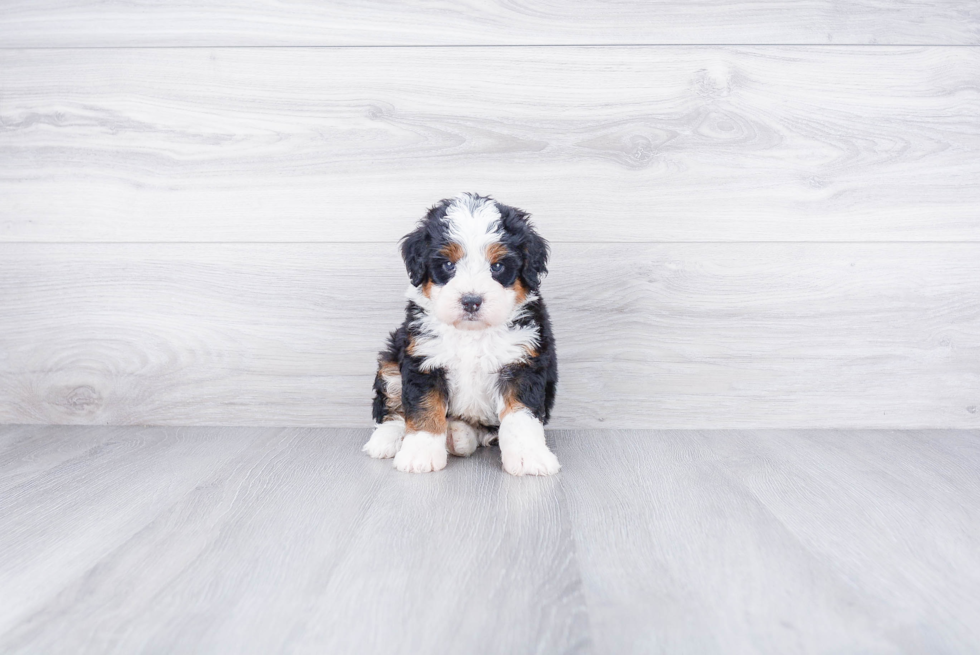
(415, 382)
(379, 410)
(420, 246)
(520, 238)
(532, 382)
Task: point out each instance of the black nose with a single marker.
(471, 303)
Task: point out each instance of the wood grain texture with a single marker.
(600, 144)
(288, 541)
(49, 23)
(777, 542)
(103, 497)
(26, 450)
(268, 540)
(472, 561)
(672, 335)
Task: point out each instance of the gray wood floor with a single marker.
(264, 540)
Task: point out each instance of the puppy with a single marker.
(474, 361)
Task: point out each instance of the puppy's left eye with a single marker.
(449, 267)
(496, 267)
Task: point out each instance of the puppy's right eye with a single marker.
(449, 267)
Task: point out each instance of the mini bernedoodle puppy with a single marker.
(474, 360)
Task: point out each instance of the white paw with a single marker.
(462, 439)
(522, 446)
(422, 452)
(530, 461)
(386, 439)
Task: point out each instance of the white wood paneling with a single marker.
(429, 22)
(671, 335)
(601, 144)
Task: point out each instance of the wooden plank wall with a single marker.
(94, 23)
(762, 215)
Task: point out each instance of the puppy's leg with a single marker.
(462, 439)
(522, 444)
(388, 412)
(424, 446)
(386, 439)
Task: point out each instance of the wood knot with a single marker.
(83, 399)
(640, 149)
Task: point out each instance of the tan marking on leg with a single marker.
(511, 403)
(496, 252)
(392, 377)
(452, 251)
(431, 416)
(531, 352)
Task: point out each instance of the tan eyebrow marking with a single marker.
(496, 252)
(452, 251)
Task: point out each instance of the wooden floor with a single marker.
(266, 540)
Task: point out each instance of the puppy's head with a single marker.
(476, 260)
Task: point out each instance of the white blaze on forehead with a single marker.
(473, 223)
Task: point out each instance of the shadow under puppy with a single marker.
(474, 360)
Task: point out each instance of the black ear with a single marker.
(536, 253)
(415, 252)
(522, 238)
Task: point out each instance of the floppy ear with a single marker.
(415, 252)
(534, 249)
(535, 258)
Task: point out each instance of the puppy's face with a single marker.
(475, 260)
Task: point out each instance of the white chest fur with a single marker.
(472, 360)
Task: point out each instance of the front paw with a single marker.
(385, 440)
(522, 446)
(422, 452)
(537, 460)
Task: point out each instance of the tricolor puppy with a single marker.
(474, 360)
